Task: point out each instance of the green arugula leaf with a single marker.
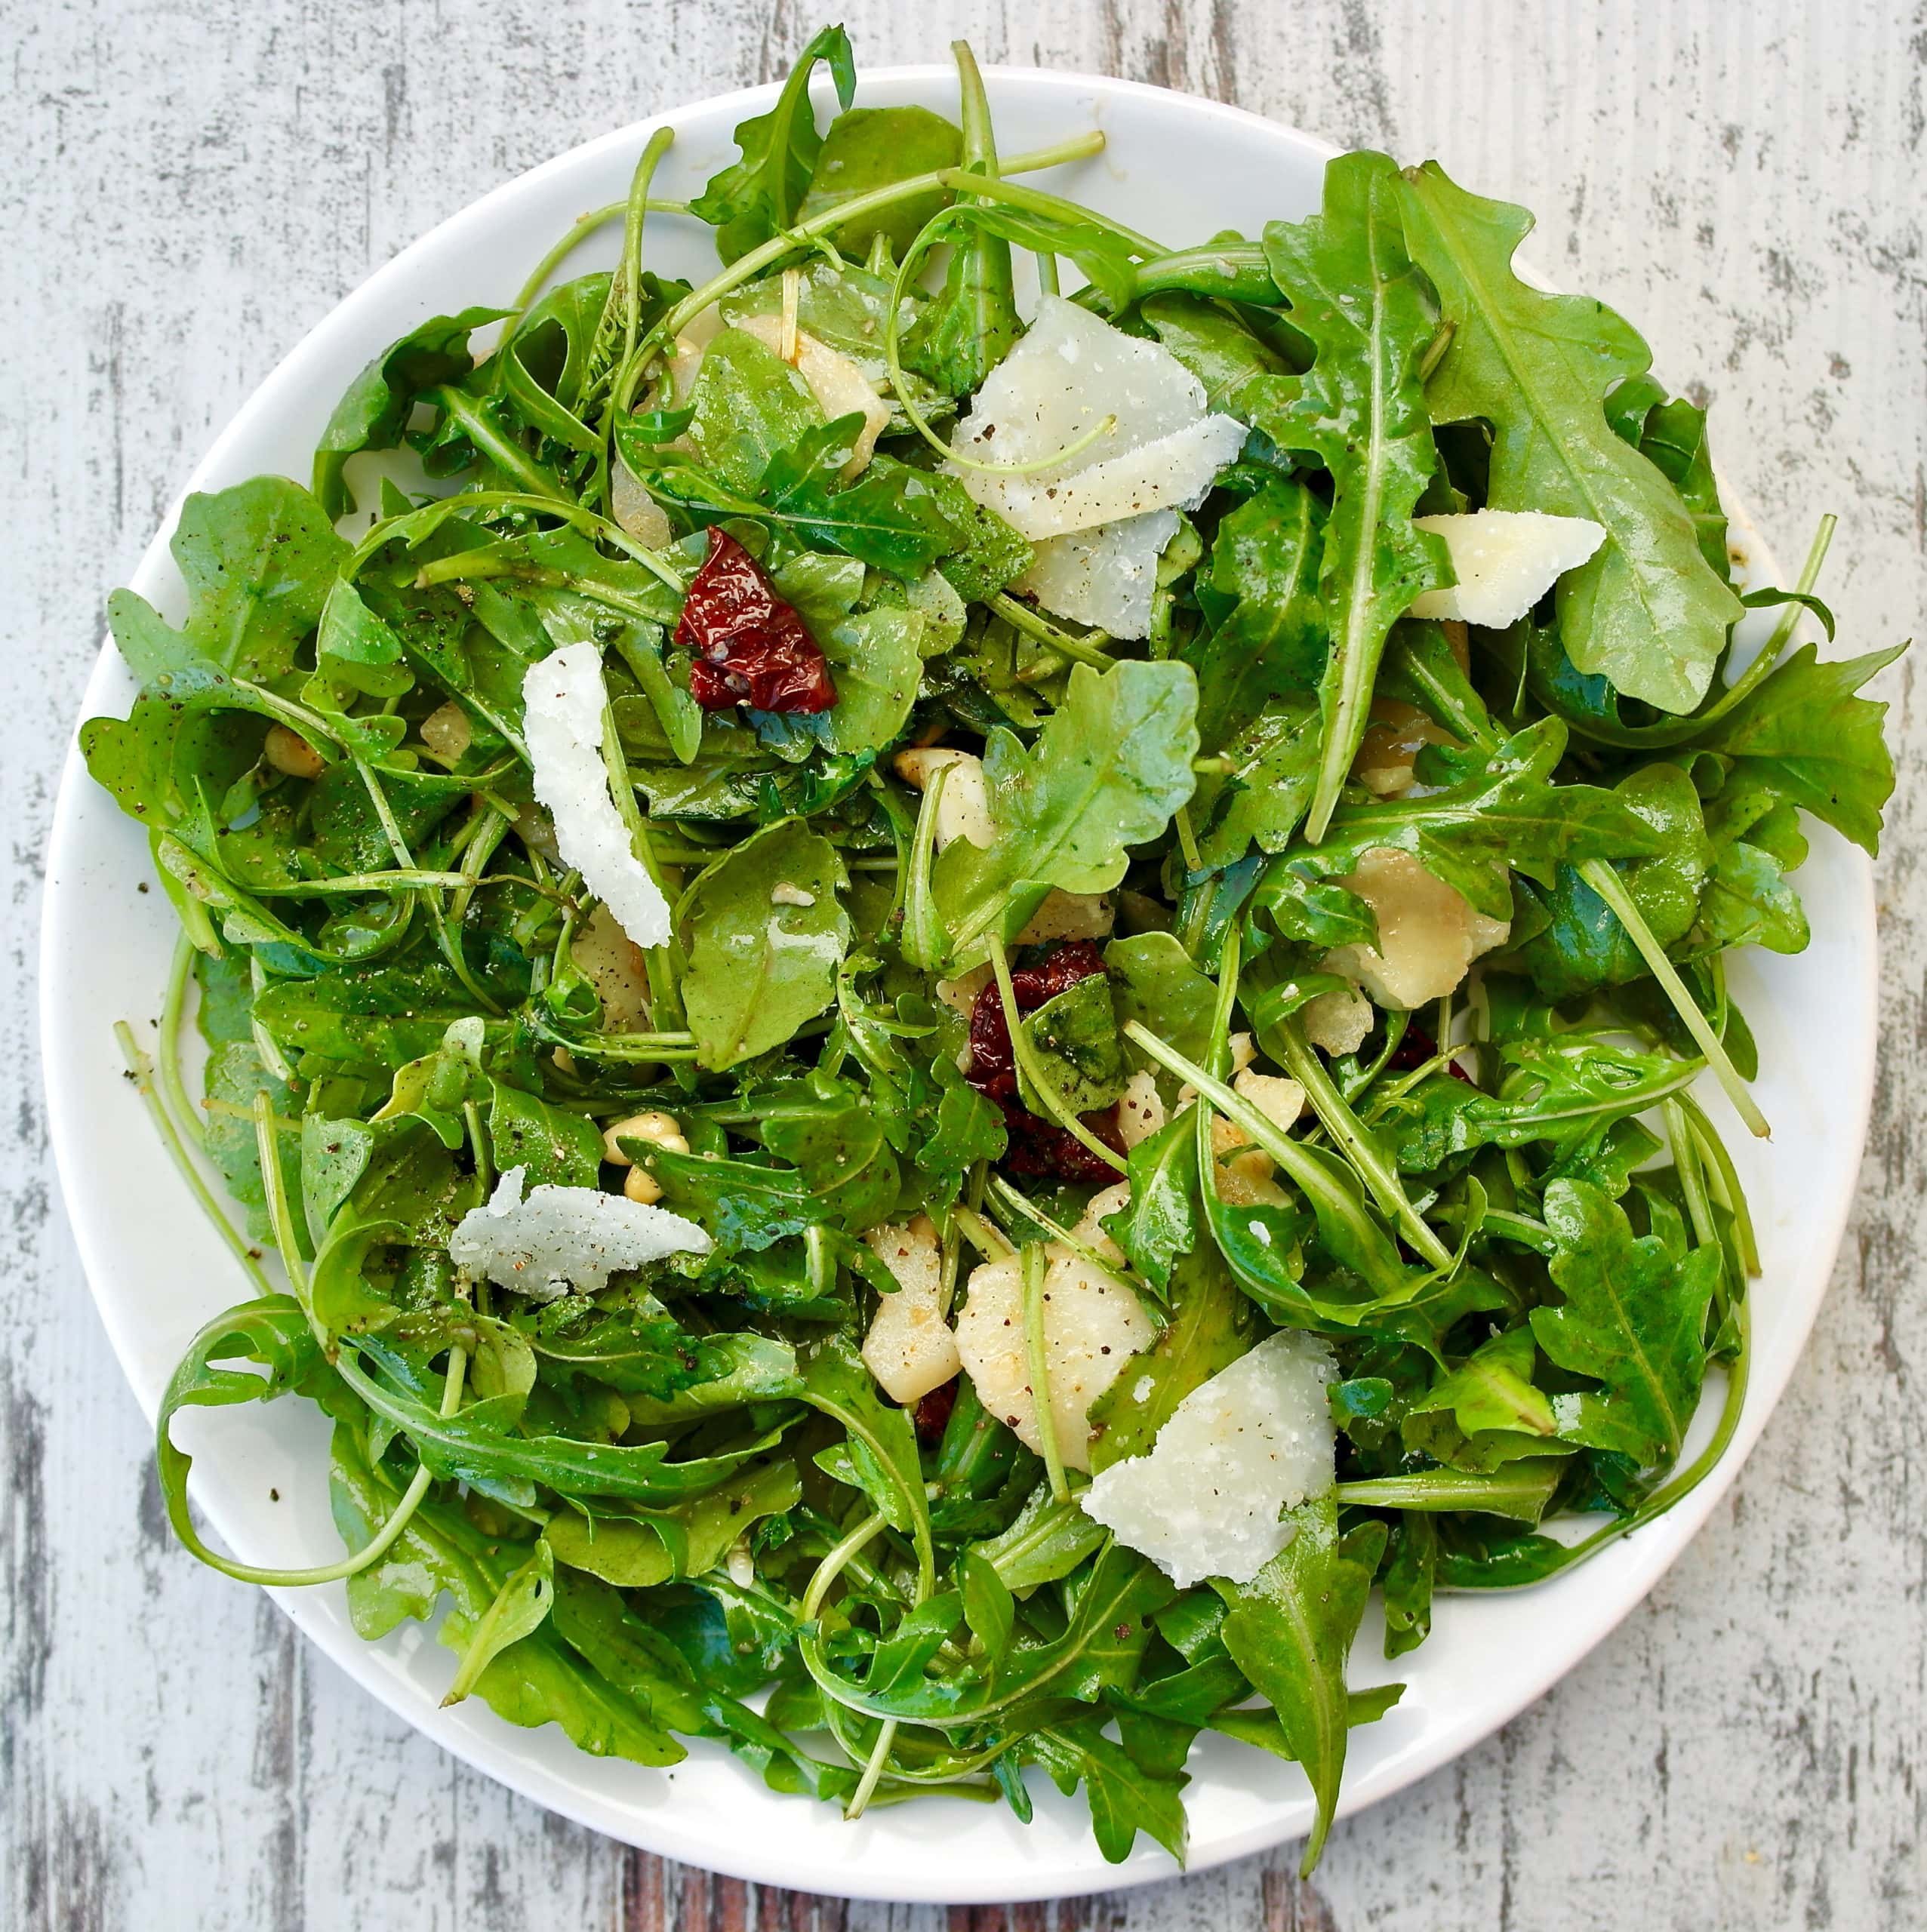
(970, 325)
(1649, 612)
(1215, 345)
(1290, 1631)
(1075, 1037)
(759, 196)
(760, 967)
(374, 412)
(1268, 636)
(1211, 1326)
(1158, 1225)
(1109, 768)
(1583, 944)
(1634, 1319)
(874, 147)
(1360, 408)
(890, 516)
(1803, 733)
(1125, 1798)
(260, 560)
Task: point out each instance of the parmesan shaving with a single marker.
(1255, 1441)
(1505, 561)
(564, 701)
(564, 1240)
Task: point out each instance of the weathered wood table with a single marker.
(188, 188)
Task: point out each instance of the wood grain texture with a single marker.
(186, 189)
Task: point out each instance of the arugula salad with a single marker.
(952, 1012)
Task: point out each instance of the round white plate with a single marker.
(1179, 169)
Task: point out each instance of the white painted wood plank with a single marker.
(187, 189)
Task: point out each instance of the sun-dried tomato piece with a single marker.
(1414, 1048)
(1037, 1147)
(932, 1413)
(751, 648)
(1043, 1149)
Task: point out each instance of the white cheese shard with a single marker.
(840, 387)
(1505, 561)
(910, 1349)
(1428, 934)
(1106, 577)
(1063, 914)
(963, 811)
(1179, 469)
(564, 699)
(564, 1240)
(1140, 1111)
(1337, 1022)
(1280, 1100)
(1101, 516)
(615, 966)
(1093, 1325)
(1255, 1441)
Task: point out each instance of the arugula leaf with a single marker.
(1109, 768)
(536, 1680)
(684, 1541)
(1075, 1037)
(1214, 344)
(874, 147)
(1158, 1225)
(1634, 1319)
(748, 409)
(1361, 408)
(259, 560)
(761, 966)
(1584, 945)
(970, 325)
(890, 516)
(1290, 1631)
(1649, 612)
(1509, 816)
(1210, 1327)
(374, 412)
(1125, 1798)
(1803, 733)
(1267, 637)
(759, 196)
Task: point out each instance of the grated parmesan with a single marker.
(563, 1240)
(564, 700)
(1255, 1441)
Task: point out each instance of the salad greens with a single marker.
(998, 913)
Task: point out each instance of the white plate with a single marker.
(1177, 168)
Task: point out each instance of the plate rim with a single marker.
(497, 1759)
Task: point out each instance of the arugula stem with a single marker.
(988, 1240)
(1020, 616)
(281, 1214)
(1035, 1266)
(1039, 201)
(141, 1069)
(167, 1044)
(1032, 1070)
(1013, 1202)
(1605, 882)
(804, 234)
(377, 1546)
(1286, 1043)
(579, 232)
(1733, 1195)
